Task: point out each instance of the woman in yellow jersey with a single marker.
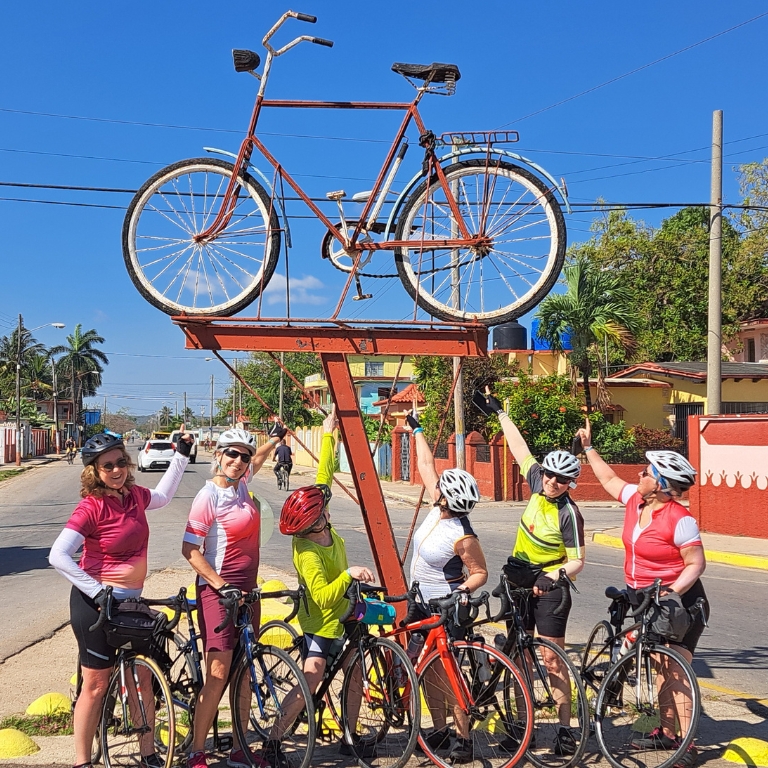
(550, 535)
(320, 559)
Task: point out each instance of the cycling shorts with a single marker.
(539, 613)
(211, 614)
(691, 639)
(93, 649)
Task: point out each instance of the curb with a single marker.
(713, 556)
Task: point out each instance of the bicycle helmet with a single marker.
(236, 437)
(672, 466)
(98, 444)
(302, 509)
(562, 463)
(460, 490)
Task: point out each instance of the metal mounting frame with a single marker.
(333, 342)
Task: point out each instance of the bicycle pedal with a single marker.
(338, 195)
(362, 296)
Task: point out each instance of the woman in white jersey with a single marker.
(447, 556)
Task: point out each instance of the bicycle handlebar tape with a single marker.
(306, 17)
(323, 41)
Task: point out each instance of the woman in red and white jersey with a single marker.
(111, 526)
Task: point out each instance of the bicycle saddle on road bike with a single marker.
(434, 73)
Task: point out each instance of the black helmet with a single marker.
(98, 444)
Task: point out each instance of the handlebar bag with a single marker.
(133, 625)
(670, 618)
(379, 613)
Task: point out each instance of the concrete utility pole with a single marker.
(458, 391)
(280, 399)
(55, 409)
(210, 422)
(184, 412)
(714, 322)
(18, 392)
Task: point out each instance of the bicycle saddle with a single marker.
(435, 73)
(620, 595)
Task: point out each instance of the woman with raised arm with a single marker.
(221, 543)
(661, 540)
(110, 524)
(447, 556)
(551, 537)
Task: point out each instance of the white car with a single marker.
(155, 454)
(175, 439)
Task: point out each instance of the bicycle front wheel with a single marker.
(596, 660)
(513, 266)
(483, 699)
(177, 271)
(137, 719)
(638, 708)
(262, 692)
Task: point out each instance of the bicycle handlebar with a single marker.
(254, 596)
(321, 41)
(305, 17)
(504, 589)
(650, 594)
(301, 17)
(177, 602)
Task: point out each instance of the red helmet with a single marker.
(302, 509)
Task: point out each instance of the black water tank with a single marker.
(510, 336)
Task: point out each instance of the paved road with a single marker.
(34, 507)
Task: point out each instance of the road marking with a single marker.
(731, 692)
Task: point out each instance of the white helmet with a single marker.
(562, 463)
(233, 437)
(672, 466)
(460, 490)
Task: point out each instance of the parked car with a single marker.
(155, 454)
(192, 454)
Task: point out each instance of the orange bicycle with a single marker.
(477, 234)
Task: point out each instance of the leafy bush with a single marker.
(372, 424)
(648, 439)
(614, 442)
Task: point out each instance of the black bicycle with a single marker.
(560, 711)
(283, 476)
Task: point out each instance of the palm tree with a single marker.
(593, 308)
(10, 348)
(165, 415)
(82, 363)
(39, 376)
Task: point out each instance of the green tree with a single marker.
(82, 364)
(39, 376)
(594, 308)
(165, 415)
(17, 346)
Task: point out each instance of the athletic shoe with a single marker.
(366, 749)
(437, 740)
(689, 757)
(462, 752)
(238, 759)
(196, 760)
(274, 754)
(565, 744)
(656, 739)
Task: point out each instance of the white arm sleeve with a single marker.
(60, 557)
(627, 492)
(687, 532)
(169, 482)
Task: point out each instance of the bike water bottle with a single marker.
(415, 646)
(628, 643)
(500, 641)
(399, 673)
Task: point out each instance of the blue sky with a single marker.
(169, 64)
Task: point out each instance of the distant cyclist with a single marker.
(283, 457)
(71, 449)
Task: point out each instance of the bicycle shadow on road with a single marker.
(22, 559)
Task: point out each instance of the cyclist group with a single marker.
(221, 543)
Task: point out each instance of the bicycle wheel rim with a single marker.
(387, 723)
(182, 274)
(141, 724)
(185, 688)
(596, 661)
(490, 283)
(501, 721)
(624, 722)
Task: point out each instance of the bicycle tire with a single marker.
(542, 751)
(119, 742)
(159, 237)
(520, 278)
(597, 658)
(185, 687)
(276, 674)
(279, 634)
(617, 724)
(500, 736)
(391, 739)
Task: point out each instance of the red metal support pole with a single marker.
(369, 494)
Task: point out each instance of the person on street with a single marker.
(111, 526)
(661, 540)
(283, 457)
(221, 543)
(550, 536)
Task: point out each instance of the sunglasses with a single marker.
(662, 481)
(231, 453)
(560, 479)
(109, 466)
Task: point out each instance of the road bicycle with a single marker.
(283, 477)
(369, 692)
(557, 693)
(643, 684)
(477, 234)
(71, 454)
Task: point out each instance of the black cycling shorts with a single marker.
(94, 650)
(691, 639)
(539, 613)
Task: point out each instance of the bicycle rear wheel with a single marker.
(141, 720)
(260, 691)
(281, 634)
(633, 704)
(500, 716)
(596, 660)
(179, 273)
(499, 279)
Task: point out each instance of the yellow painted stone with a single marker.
(192, 591)
(752, 752)
(161, 731)
(73, 679)
(50, 704)
(14, 743)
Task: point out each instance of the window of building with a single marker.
(441, 452)
(735, 407)
(483, 453)
(374, 369)
(750, 350)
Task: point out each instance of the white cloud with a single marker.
(304, 290)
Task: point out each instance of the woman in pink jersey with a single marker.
(111, 526)
(661, 541)
(221, 543)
